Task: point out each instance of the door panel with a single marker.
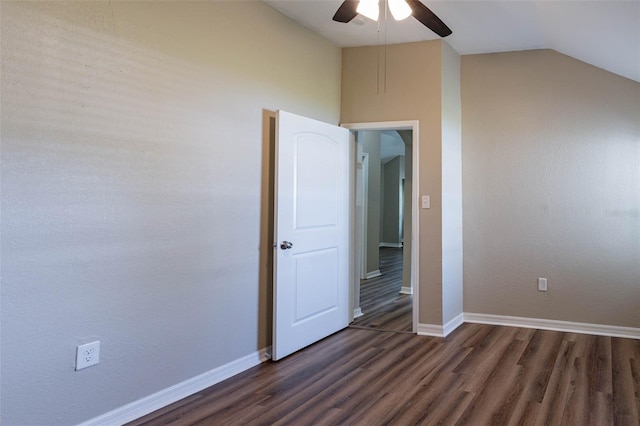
(311, 276)
(316, 181)
(316, 279)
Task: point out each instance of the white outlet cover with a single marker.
(542, 284)
(87, 355)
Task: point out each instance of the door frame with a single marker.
(412, 125)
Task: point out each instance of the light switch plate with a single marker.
(426, 202)
(542, 284)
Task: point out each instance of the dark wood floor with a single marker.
(478, 375)
(380, 299)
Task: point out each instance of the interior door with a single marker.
(311, 271)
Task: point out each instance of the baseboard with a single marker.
(406, 290)
(453, 324)
(357, 313)
(435, 330)
(373, 274)
(392, 245)
(432, 330)
(545, 324)
(167, 396)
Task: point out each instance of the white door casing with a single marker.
(311, 278)
(412, 125)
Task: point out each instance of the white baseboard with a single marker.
(435, 330)
(453, 324)
(432, 330)
(373, 274)
(393, 245)
(174, 393)
(357, 313)
(545, 324)
(406, 290)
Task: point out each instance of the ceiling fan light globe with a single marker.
(369, 8)
(399, 9)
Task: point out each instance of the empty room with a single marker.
(194, 200)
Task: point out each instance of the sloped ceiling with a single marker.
(605, 34)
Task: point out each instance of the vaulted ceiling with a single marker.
(603, 33)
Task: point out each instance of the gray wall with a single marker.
(135, 166)
(551, 175)
(370, 141)
(391, 212)
(452, 249)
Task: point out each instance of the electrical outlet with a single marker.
(87, 355)
(542, 284)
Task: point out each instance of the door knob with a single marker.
(286, 245)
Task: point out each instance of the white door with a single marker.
(311, 282)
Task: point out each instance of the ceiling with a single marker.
(391, 145)
(604, 33)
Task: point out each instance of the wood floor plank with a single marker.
(392, 387)
(497, 393)
(635, 380)
(528, 417)
(328, 386)
(626, 380)
(383, 306)
(434, 397)
(574, 412)
(553, 403)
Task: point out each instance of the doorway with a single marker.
(385, 277)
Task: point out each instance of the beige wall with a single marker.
(551, 183)
(133, 187)
(410, 89)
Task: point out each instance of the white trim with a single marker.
(456, 322)
(373, 274)
(392, 245)
(383, 125)
(432, 330)
(357, 313)
(158, 400)
(435, 330)
(415, 222)
(406, 290)
(555, 325)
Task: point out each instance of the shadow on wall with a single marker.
(267, 224)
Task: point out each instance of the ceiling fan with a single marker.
(400, 9)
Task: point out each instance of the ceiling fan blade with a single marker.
(347, 11)
(429, 19)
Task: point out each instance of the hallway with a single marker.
(383, 306)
